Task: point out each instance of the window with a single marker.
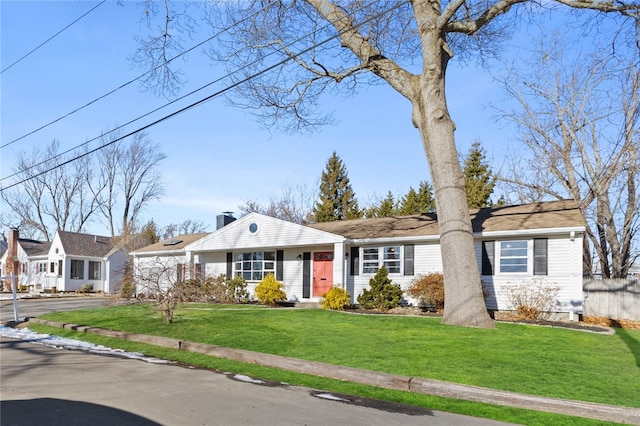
(94, 270)
(254, 266)
(59, 268)
(77, 269)
(513, 256)
(42, 267)
(52, 267)
(374, 258)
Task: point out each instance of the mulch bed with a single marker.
(593, 324)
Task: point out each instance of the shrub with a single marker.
(270, 291)
(383, 293)
(336, 298)
(237, 289)
(86, 288)
(128, 289)
(428, 290)
(532, 300)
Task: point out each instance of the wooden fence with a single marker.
(616, 299)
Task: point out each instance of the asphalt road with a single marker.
(46, 386)
(36, 307)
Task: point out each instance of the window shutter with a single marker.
(408, 259)
(306, 275)
(279, 263)
(488, 257)
(355, 261)
(540, 256)
(229, 265)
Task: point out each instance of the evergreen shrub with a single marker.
(270, 291)
(383, 293)
(337, 299)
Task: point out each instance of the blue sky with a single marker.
(217, 156)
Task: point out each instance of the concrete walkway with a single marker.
(390, 381)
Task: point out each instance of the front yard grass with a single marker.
(521, 358)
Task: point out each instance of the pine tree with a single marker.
(337, 199)
(478, 177)
(387, 207)
(418, 202)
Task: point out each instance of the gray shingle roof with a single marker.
(172, 244)
(553, 214)
(33, 247)
(85, 244)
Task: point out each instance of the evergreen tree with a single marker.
(478, 177)
(337, 199)
(387, 207)
(418, 202)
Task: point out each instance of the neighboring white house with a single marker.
(76, 259)
(167, 257)
(68, 262)
(19, 258)
(515, 245)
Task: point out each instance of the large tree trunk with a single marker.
(464, 300)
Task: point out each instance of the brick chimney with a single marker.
(12, 264)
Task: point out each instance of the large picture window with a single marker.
(513, 256)
(77, 269)
(254, 266)
(94, 270)
(375, 257)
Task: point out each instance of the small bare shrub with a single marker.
(533, 300)
(86, 288)
(270, 291)
(428, 290)
(337, 299)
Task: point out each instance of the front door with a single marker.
(322, 272)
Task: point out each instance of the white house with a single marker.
(76, 259)
(515, 245)
(19, 257)
(167, 255)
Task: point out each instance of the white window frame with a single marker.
(92, 276)
(508, 257)
(254, 266)
(373, 258)
(73, 269)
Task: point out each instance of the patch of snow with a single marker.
(330, 397)
(247, 379)
(78, 345)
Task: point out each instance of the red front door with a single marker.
(322, 272)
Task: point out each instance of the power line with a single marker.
(122, 86)
(207, 98)
(53, 36)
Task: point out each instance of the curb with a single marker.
(590, 410)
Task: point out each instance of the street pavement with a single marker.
(47, 386)
(33, 307)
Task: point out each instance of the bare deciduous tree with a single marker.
(295, 204)
(161, 281)
(130, 177)
(313, 47)
(53, 197)
(581, 122)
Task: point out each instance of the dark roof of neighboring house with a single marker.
(174, 243)
(85, 244)
(552, 214)
(34, 247)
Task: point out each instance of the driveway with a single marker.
(39, 306)
(41, 385)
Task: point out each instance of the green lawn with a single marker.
(529, 359)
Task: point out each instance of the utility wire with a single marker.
(53, 36)
(122, 86)
(173, 101)
(207, 98)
